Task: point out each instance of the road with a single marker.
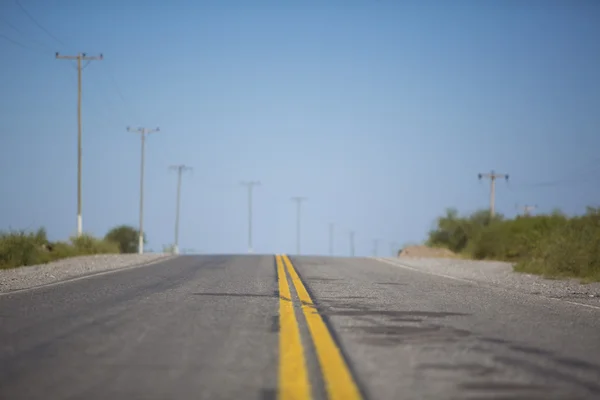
(265, 327)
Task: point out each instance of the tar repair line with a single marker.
(399, 265)
(86, 276)
(338, 380)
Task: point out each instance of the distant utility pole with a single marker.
(492, 176)
(394, 249)
(180, 170)
(375, 245)
(250, 185)
(143, 132)
(298, 201)
(79, 57)
(331, 233)
(351, 243)
(527, 209)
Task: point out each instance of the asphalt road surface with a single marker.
(265, 327)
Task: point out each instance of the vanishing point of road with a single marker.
(279, 327)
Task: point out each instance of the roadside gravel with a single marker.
(43, 274)
(501, 274)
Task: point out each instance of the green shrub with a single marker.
(552, 245)
(572, 250)
(21, 248)
(126, 236)
(86, 244)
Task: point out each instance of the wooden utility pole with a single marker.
(298, 201)
(331, 233)
(143, 132)
(375, 247)
(394, 249)
(493, 176)
(79, 57)
(351, 243)
(250, 185)
(180, 169)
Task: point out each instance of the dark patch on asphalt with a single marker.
(574, 363)
(494, 340)
(567, 362)
(391, 283)
(268, 394)
(500, 386)
(505, 390)
(548, 372)
(393, 335)
(323, 280)
(233, 294)
(470, 368)
(274, 324)
(529, 350)
(361, 310)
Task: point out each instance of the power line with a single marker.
(250, 185)
(37, 23)
(180, 169)
(79, 57)
(111, 77)
(576, 176)
(143, 132)
(17, 43)
(24, 34)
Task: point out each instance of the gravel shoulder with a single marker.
(501, 274)
(68, 268)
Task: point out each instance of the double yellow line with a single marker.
(294, 382)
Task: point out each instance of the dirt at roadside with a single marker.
(426, 252)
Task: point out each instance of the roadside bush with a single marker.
(572, 250)
(86, 244)
(457, 233)
(552, 245)
(21, 248)
(126, 236)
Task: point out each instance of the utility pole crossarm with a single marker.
(182, 168)
(81, 56)
(143, 131)
(493, 175)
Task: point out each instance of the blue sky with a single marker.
(381, 113)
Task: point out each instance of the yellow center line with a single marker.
(293, 377)
(338, 380)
